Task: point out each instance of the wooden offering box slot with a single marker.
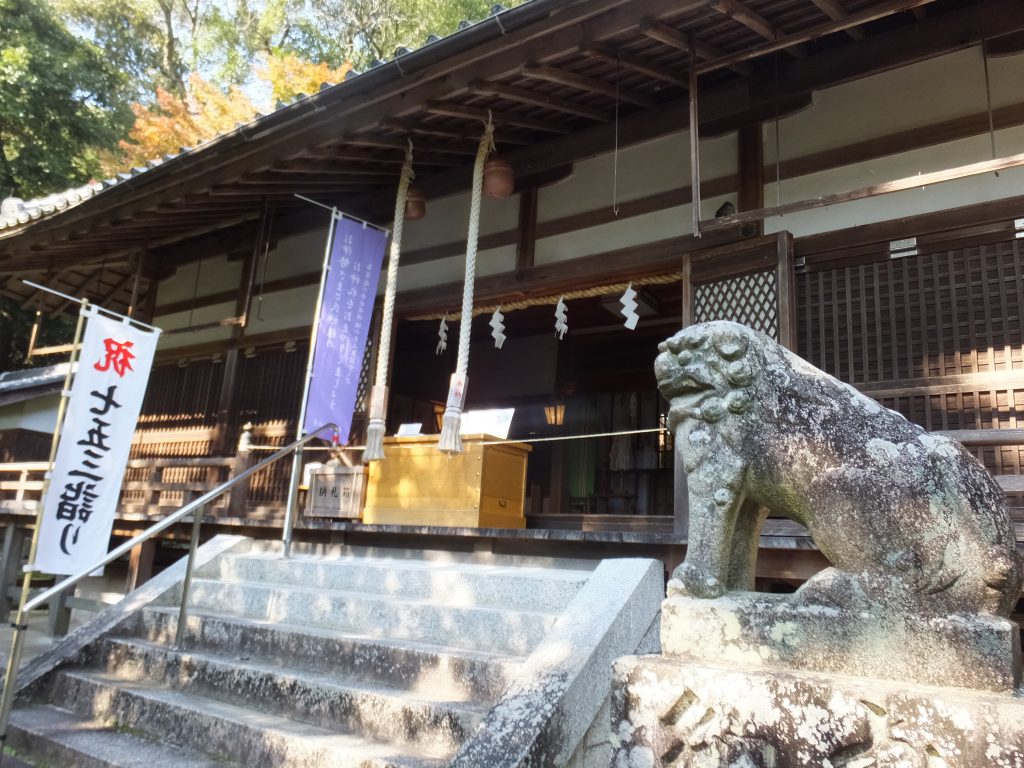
(416, 484)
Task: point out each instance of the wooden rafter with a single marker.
(389, 142)
(673, 38)
(835, 11)
(526, 96)
(819, 30)
(584, 83)
(634, 63)
(429, 129)
(280, 171)
(499, 117)
(755, 22)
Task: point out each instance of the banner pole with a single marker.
(293, 482)
(20, 623)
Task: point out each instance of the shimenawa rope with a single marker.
(450, 441)
(379, 393)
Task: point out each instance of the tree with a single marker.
(60, 102)
(372, 29)
(289, 76)
(174, 122)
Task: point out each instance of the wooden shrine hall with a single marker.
(844, 175)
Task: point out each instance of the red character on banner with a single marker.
(118, 356)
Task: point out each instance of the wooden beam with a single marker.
(673, 38)
(634, 63)
(584, 83)
(428, 129)
(836, 12)
(393, 142)
(887, 188)
(751, 169)
(526, 96)
(655, 258)
(499, 117)
(754, 21)
(820, 30)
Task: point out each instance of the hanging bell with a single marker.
(415, 204)
(499, 179)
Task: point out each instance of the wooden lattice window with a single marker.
(749, 299)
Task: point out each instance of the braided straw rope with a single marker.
(450, 441)
(379, 394)
(540, 301)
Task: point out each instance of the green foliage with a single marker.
(60, 102)
(15, 328)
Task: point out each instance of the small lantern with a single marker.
(415, 204)
(499, 179)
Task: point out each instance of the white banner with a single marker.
(106, 396)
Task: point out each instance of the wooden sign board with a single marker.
(337, 491)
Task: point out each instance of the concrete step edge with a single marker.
(291, 676)
(372, 597)
(251, 736)
(50, 733)
(478, 654)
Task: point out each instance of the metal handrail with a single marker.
(194, 507)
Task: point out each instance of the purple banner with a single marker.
(349, 290)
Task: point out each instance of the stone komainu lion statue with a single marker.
(910, 520)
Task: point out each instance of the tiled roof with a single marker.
(15, 212)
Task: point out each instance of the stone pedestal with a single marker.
(766, 681)
(753, 629)
(673, 713)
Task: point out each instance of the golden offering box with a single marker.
(416, 484)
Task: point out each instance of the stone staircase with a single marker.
(335, 659)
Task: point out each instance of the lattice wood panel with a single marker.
(751, 299)
(937, 337)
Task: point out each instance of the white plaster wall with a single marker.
(282, 309)
(930, 91)
(215, 275)
(918, 200)
(200, 316)
(447, 220)
(643, 169)
(38, 414)
(635, 230)
(453, 269)
(293, 256)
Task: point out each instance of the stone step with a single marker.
(425, 719)
(490, 629)
(393, 554)
(441, 582)
(50, 736)
(245, 736)
(464, 674)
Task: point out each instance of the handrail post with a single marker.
(186, 585)
(291, 503)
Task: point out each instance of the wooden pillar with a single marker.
(10, 568)
(785, 281)
(140, 564)
(58, 620)
(526, 245)
(751, 171)
(557, 504)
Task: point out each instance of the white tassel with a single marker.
(451, 425)
(451, 428)
(374, 450)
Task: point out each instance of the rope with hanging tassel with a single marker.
(379, 393)
(450, 440)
